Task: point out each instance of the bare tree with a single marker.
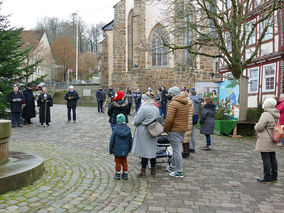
(223, 29)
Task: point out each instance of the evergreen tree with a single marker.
(12, 62)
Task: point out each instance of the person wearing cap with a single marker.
(29, 105)
(71, 97)
(117, 106)
(120, 145)
(145, 146)
(16, 99)
(264, 143)
(44, 102)
(176, 125)
(101, 96)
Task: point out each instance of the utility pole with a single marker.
(77, 45)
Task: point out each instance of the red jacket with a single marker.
(280, 107)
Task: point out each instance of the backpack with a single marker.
(277, 132)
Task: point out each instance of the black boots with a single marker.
(185, 153)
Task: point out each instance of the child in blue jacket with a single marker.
(120, 145)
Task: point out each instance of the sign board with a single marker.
(86, 92)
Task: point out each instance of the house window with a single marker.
(257, 3)
(159, 51)
(269, 32)
(188, 37)
(228, 76)
(249, 29)
(228, 42)
(38, 71)
(228, 4)
(269, 77)
(253, 80)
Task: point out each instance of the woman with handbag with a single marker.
(264, 143)
(144, 145)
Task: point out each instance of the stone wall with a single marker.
(82, 89)
(119, 45)
(105, 58)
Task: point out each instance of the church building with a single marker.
(133, 53)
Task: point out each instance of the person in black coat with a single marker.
(101, 96)
(128, 96)
(44, 102)
(111, 93)
(164, 98)
(29, 105)
(207, 121)
(137, 98)
(16, 100)
(71, 97)
(119, 105)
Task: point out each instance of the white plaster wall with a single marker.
(47, 65)
(249, 52)
(266, 96)
(276, 40)
(252, 101)
(266, 48)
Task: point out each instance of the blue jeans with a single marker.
(164, 109)
(69, 113)
(100, 106)
(208, 140)
(137, 105)
(161, 111)
(16, 119)
(192, 141)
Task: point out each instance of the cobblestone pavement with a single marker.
(79, 174)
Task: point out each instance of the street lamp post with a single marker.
(77, 45)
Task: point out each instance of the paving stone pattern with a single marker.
(79, 174)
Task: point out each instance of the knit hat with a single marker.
(118, 96)
(174, 90)
(269, 103)
(281, 98)
(146, 97)
(120, 118)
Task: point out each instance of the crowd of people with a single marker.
(179, 109)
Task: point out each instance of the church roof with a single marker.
(108, 26)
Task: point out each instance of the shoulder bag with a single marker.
(277, 133)
(154, 129)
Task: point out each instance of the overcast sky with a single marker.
(25, 13)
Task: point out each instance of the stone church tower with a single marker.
(133, 53)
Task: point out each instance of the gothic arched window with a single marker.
(130, 40)
(188, 37)
(159, 51)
